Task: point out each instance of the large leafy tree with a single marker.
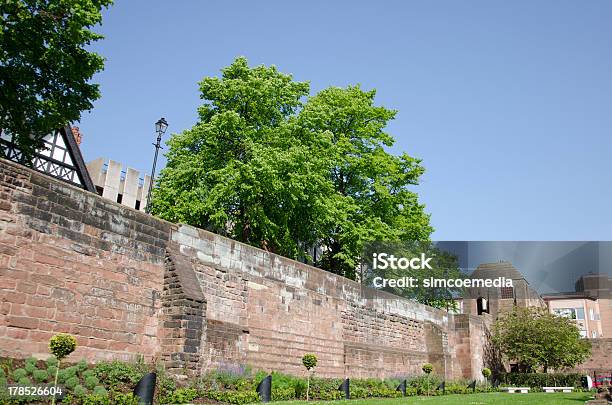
(536, 339)
(375, 200)
(45, 67)
(264, 168)
(245, 169)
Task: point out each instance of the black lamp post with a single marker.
(160, 127)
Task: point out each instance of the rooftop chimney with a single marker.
(77, 135)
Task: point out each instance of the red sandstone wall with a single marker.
(125, 284)
(73, 262)
(601, 357)
(267, 311)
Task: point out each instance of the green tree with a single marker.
(373, 198)
(427, 369)
(309, 361)
(263, 168)
(536, 339)
(44, 65)
(244, 170)
(60, 346)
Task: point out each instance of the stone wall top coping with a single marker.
(49, 179)
(190, 234)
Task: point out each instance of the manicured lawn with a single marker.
(503, 398)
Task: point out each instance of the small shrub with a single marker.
(124, 399)
(358, 392)
(66, 374)
(427, 368)
(180, 396)
(24, 381)
(100, 390)
(91, 382)
(299, 387)
(71, 382)
(233, 397)
(95, 399)
(165, 384)
(61, 345)
(79, 391)
(51, 370)
(425, 384)
(330, 395)
(385, 393)
(81, 366)
(30, 365)
(52, 361)
(19, 374)
(538, 380)
(283, 394)
(486, 373)
(40, 375)
(116, 372)
(88, 373)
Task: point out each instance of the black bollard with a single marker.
(264, 389)
(402, 388)
(346, 388)
(145, 389)
(472, 386)
(442, 387)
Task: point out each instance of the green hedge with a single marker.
(538, 380)
(232, 397)
(111, 382)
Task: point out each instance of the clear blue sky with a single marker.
(508, 103)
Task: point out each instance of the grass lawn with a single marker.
(503, 398)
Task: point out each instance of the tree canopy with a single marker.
(267, 165)
(536, 339)
(44, 66)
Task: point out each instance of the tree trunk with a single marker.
(55, 381)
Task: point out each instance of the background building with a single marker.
(590, 305)
(126, 186)
(498, 300)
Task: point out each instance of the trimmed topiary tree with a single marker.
(60, 346)
(427, 369)
(309, 361)
(486, 373)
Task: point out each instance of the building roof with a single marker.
(67, 165)
(568, 296)
(497, 270)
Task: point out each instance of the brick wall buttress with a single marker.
(184, 315)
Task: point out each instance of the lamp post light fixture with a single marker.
(160, 127)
